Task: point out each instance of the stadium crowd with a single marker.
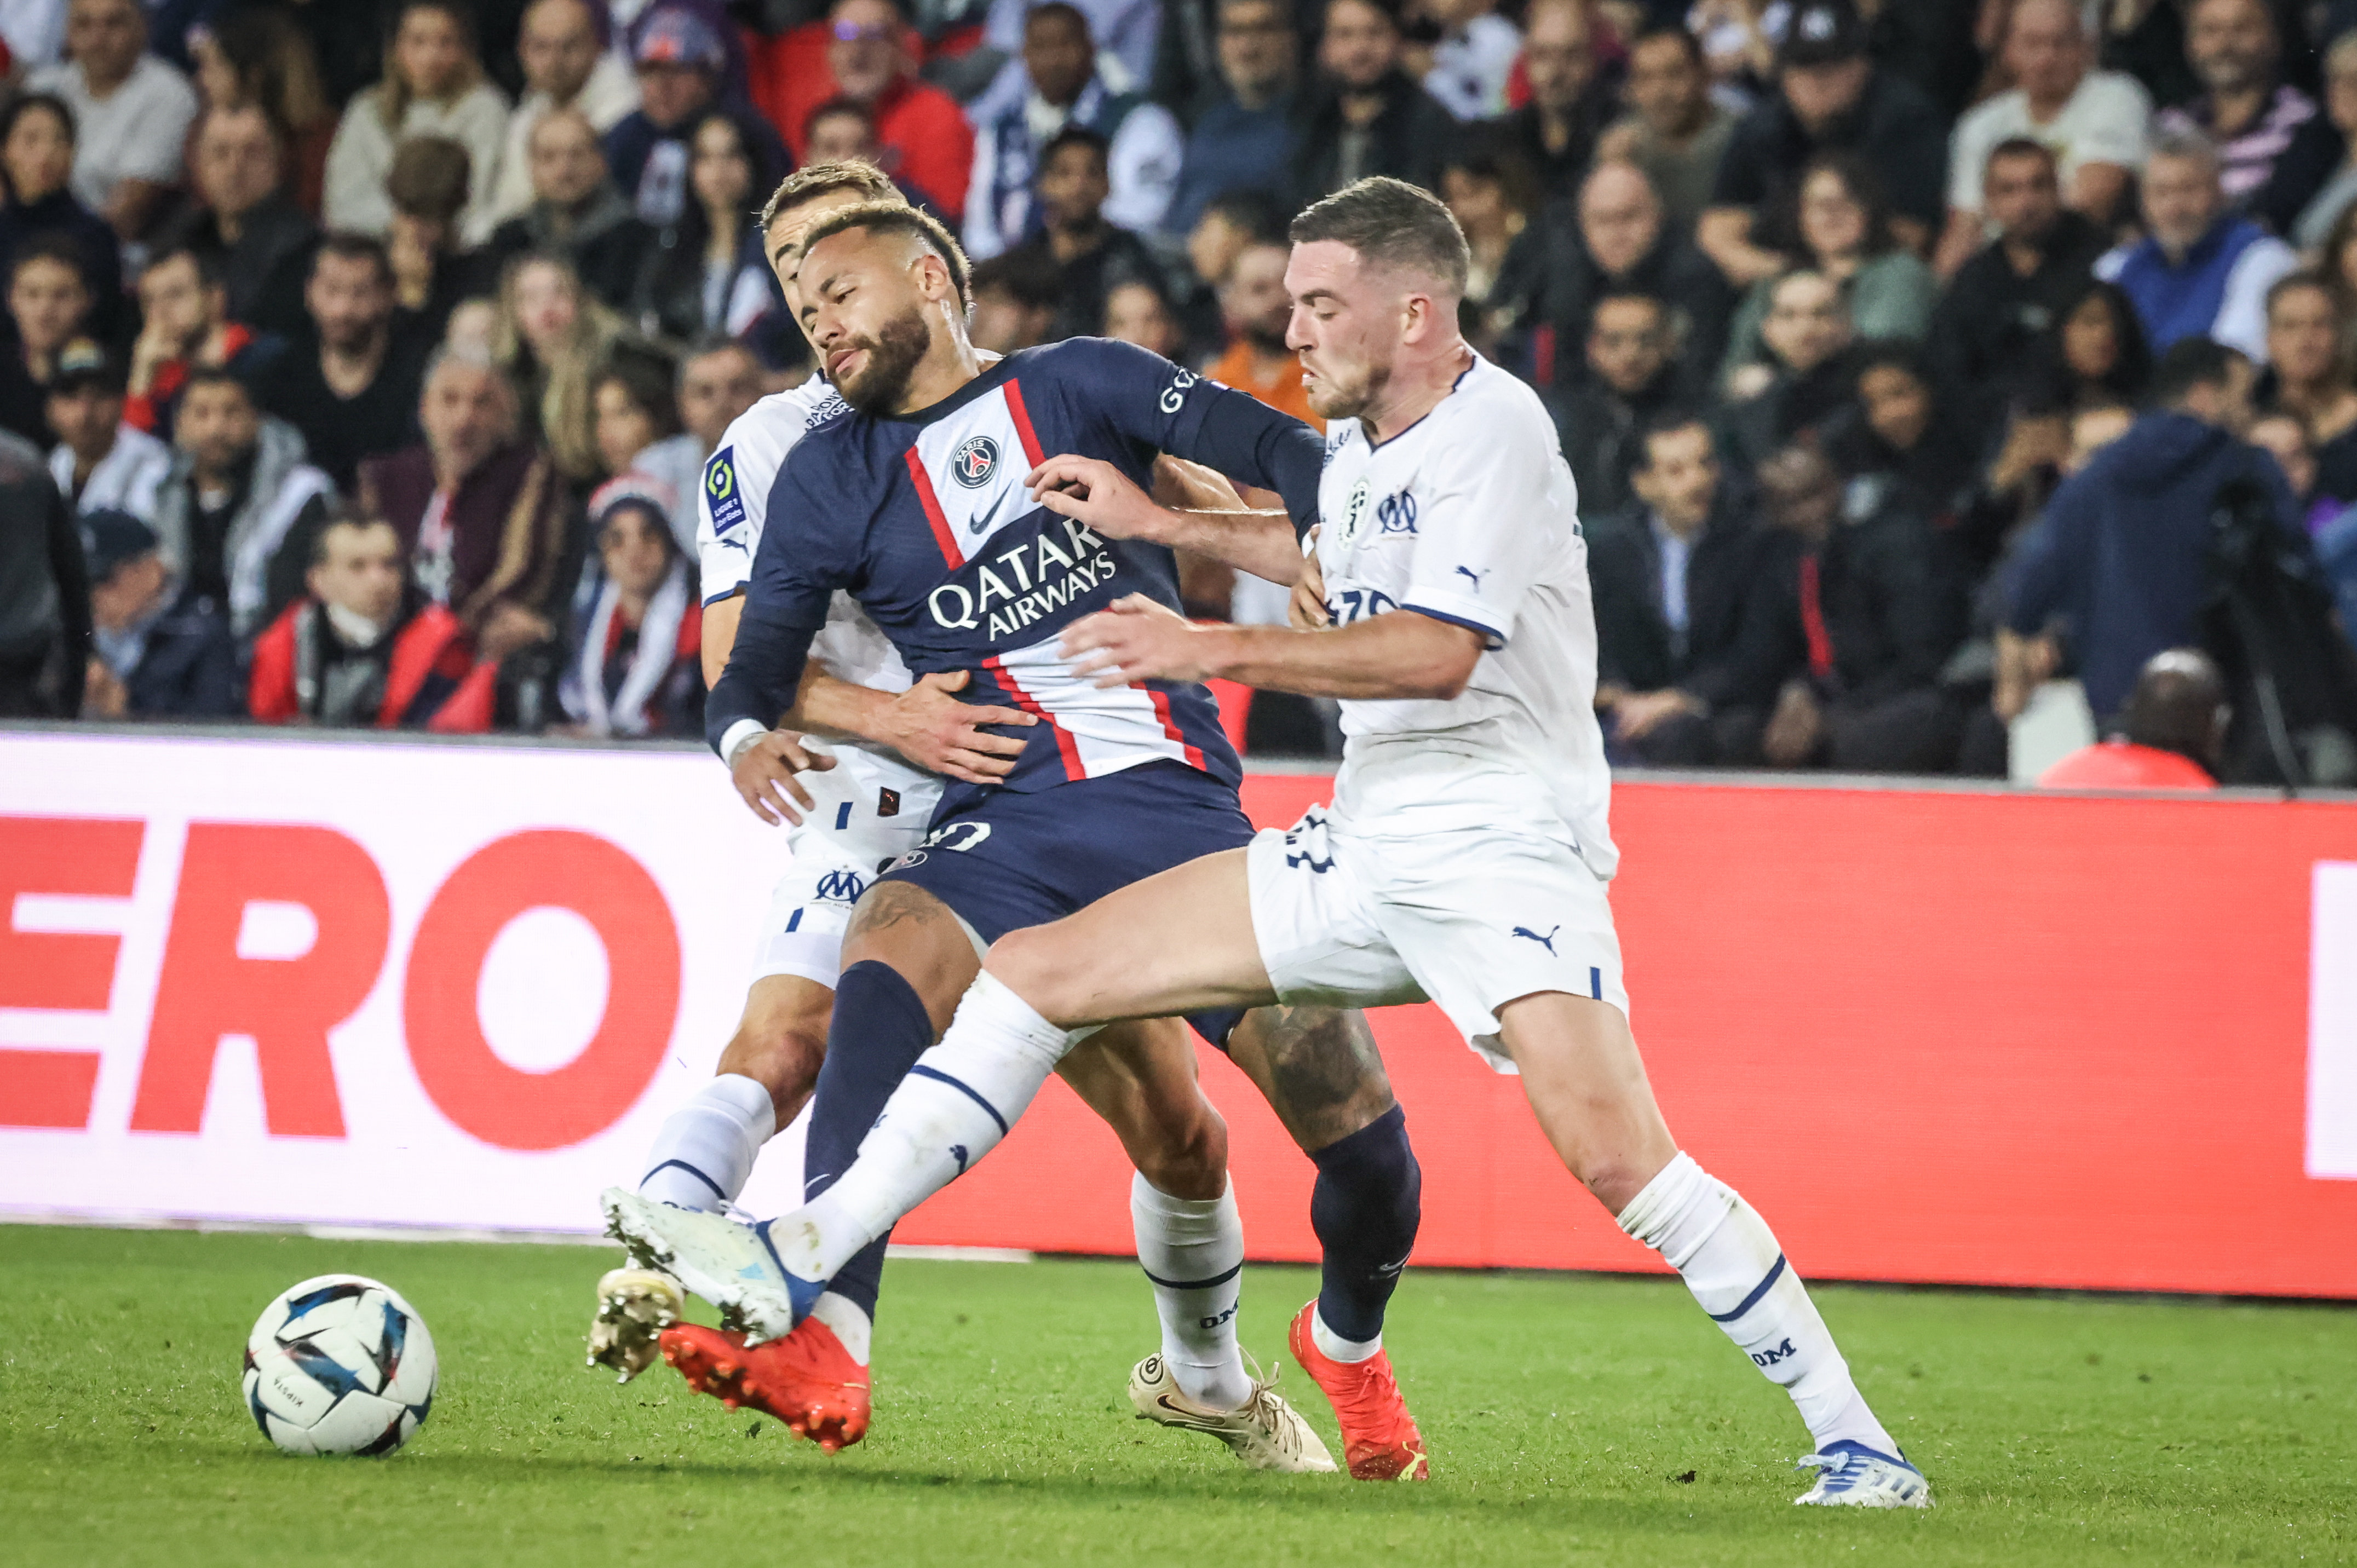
(362, 358)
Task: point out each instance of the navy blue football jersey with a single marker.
(925, 519)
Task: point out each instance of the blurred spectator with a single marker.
(482, 515)
(637, 664)
(37, 155)
(1492, 198)
(1614, 240)
(1674, 131)
(1632, 379)
(708, 275)
(432, 86)
(923, 139)
(566, 66)
(1064, 88)
(2274, 149)
(255, 56)
(2311, 381)
(433, 271)
(1807, 379)
(2096, 125)
(157, 650)
(1258, 310)
(1473, 58)
(577, 212)
(1367, 115)
(2339, 191)
(717, 381)
(1087, 254)
(1859, 623)
(1670, 575)
(1244, 139)
(1015, 297)
(2015, 288)
(186, 303)
(1846, 233)
(1122, 34)
(2096, 353)
(638, 433)
(2121, 554)
(362, 647)
(1901, 440)
(1829, 98)
(682, 63)
(100, 461)
(131, 112)
(2203, 270)
(551, 340)
(1554, 134)
(49, 306)
(2283, 437)
(44, 591)
(244, 222)
(349, 379)
(2173, 736)
(236, 513)
(1139, 312)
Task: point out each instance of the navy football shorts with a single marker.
(1010, 860)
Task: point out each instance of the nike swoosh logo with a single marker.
(982, 524)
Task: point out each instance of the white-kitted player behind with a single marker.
(861, 804)
(1465, 857)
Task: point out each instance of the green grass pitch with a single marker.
(1571, 1420)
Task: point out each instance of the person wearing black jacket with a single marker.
(44, 591)
(1672, 577)
(2015, 289)
(1851, 620)
(1368, 116)
(577, 212)
(1602, 419)
(245, 219)
(158, 650)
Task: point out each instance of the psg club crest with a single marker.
(974, 461)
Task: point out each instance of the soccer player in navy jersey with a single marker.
(916, 502)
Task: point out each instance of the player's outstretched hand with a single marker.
(763, 771)
(1135, 640)
(1307, 612)
(931, 728)
(1093, 491)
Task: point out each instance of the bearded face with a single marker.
(875, 369)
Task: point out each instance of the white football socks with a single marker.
(1193, 1251)
(704, 1155)
(954, 1106)
(1730, 1261)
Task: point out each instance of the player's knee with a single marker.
(1024, 962)
(1615, 1178)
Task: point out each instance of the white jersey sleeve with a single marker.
(732, 502)
(1489, 528)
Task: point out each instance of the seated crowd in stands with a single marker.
(360, 363)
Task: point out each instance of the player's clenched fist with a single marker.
(763, 768)
(1093, 491)
(1136, 639)
(942, 735)
(1307, 612)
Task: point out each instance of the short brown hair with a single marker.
(428, 177)
(898, 218)
(1391, 224)
(815, 180)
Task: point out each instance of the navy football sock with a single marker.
(880, 1028)
(1366, 1208)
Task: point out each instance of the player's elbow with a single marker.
(1448, 655)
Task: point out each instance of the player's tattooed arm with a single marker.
(1093, 491)
(1399, 654)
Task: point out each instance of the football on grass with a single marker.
(339, 1364)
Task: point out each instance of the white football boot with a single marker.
(728, 1263)
(1851, 1475)
(634, 1306)
(1266, 1434)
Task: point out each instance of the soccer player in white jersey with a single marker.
(1464, 858)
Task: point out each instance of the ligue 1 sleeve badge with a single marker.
(721, 496)
(974, 460)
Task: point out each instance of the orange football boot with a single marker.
(807, 1379)
(1380, 1442)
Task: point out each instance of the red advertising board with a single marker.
(1996, 1038)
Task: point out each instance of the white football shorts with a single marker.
(801, 933)
(1471, 918)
